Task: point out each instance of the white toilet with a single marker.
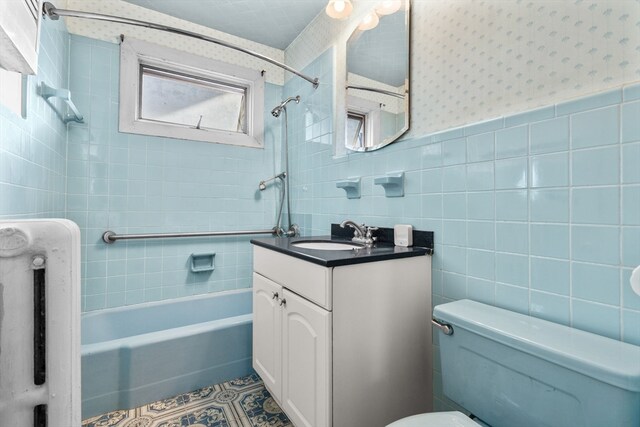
(510, 370)
(438, 419)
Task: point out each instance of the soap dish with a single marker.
(202, 262)
(393, 184)
(351, 186)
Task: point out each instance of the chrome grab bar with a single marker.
(110, 237)
(446, 328)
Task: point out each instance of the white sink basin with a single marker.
(327, 246)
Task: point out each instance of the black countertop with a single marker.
(379, 252)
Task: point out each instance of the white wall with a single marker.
(474, 60)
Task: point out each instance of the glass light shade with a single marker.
(339, 9)
(368, 22)
(387, 7)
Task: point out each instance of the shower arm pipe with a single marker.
(281, 175)
(373, 89)
(286, 166)
(54, 13)
(111, 237)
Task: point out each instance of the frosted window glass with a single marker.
(191, 101)
(355, 130)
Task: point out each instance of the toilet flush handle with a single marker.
(446, 328)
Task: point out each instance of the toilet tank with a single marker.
(509, 370)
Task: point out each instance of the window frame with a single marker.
(371, 112)
(362, 119)
(135, 54)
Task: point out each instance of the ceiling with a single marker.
(275, 23)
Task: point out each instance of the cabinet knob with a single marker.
(275, 295)
(283, 301)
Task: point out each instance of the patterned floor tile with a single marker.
(243, 402)
(260, 408)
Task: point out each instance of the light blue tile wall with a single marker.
(312, 120)
(134, 183)
(33, 150)
(539, 215)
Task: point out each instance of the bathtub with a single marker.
(138, 354)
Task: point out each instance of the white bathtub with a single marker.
(138, 354)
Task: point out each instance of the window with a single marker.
(356, 125)
(165, 92)
(179, 99)
(363, 123)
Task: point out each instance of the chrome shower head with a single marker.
(276, 111)
(263, 184)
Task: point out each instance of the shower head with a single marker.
(263, 184)
(276, 111)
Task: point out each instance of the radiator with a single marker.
(39, 323)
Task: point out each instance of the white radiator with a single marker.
(39, 323)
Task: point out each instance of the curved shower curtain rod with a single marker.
(382, 91)
(54, 13)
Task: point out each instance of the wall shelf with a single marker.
(393, 184)
(351, 186)
(48, 92)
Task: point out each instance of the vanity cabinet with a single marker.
(345, 345)
(291, 351)
(267, 332)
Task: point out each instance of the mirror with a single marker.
(377, 90)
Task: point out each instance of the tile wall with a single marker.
(310, 139)
(134, 183)
(33, 150)
(537, 212)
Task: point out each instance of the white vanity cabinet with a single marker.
(343, 346)
(267, 332)
(291, 351)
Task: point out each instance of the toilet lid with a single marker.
(436, 419)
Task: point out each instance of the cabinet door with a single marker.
(306, 362)
(267, 334)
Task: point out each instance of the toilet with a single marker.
(508, 369)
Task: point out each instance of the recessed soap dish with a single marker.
(202, 262)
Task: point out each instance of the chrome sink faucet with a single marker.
(361, 233)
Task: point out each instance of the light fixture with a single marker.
(387, 7)
(339, 9)
(368, 22)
